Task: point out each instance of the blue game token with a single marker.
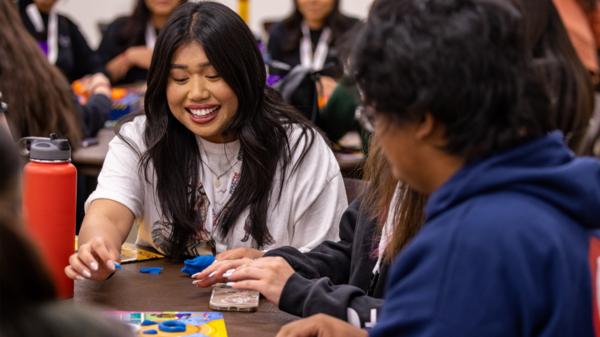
(150, 332)
(147, 322)
(172, 326)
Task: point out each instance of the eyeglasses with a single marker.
(365, 115)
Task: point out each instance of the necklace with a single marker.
(217, 181)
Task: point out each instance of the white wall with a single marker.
(87, 13)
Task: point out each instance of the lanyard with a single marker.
(388, 228)
(150, 36)
(306, 53)
(36, 18)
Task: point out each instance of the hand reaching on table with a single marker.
(214, 273)
(321, 325)
(95, 260)
(267, 275)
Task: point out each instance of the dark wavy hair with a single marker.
(464, 61)
(261, 124)
(39, 95)
(336, 21)
(565, 76)
(588, 5)
(133, 31)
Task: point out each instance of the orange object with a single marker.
(584, 31)
(49, 202)
(244, 7)
(79, 90)
(118, 93)
(322, 101)
(77, 87)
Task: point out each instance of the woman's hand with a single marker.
(138, 56)
(267, 275)
(239, 253)
(214, 273)
(327, 85)
(321, 325)
(97, 84)
(95, 260)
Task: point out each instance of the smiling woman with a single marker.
(197, 95)
(219, 160)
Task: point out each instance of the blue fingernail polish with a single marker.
(227, 275)
(230, 284)
(212, 274)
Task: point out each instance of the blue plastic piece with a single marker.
(147, 322)
(172, 326)
(118, 266)
(197, 264)
(153, 270)
(150, 332)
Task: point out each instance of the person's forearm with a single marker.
(97, 225)
(4, 122)
(140, 58)
(116, 68)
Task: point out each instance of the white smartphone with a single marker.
(225, 298)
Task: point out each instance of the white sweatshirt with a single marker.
(308, 212)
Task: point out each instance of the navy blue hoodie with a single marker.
(504, 250)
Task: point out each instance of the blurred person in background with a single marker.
(60, 39)
(566, 77)
(127, 45)
(40, 98)
(307, 37)
(582, 20)
(568, 81)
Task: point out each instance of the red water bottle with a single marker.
(49, 203)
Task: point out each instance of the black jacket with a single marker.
(94, 114)
(75, 57)
(335, 277)
(278, 39)
(112, 45)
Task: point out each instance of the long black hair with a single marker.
(589, 5)
(133, 31)
(567, 79)
(261, 124)
(336, 21)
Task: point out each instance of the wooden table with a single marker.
(172, 290)
(89, 160)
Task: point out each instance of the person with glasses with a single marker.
(306, 292)
(509, 245)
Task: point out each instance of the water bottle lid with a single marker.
(50, 149)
